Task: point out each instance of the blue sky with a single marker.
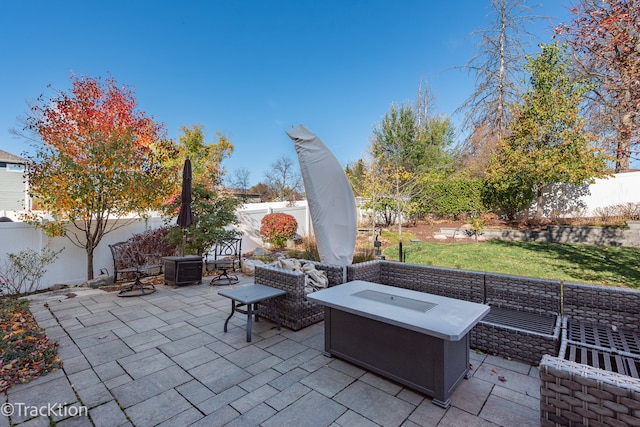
(251, 69)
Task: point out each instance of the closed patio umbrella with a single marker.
(331, 203)
(185, 217)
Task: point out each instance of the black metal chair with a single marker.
(127, 259)
(227, 255)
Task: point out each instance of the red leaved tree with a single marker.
(97, 159)
(605, 36)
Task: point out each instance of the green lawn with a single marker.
(604, 265)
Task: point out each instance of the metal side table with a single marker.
(250, 296)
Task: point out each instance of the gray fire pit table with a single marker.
(250, 296)
(417, 339)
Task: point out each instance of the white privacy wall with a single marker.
(620, 189)
(70, 267)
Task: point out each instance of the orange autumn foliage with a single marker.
(97, 158)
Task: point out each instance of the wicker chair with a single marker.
(294, 310)
(574, 394)
(595, 378)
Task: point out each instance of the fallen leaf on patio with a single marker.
(502, 379)
(25, 350)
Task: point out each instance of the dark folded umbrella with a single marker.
(185, 217)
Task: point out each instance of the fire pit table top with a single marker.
(441, 317)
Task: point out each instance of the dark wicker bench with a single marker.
(294, 310)
(524, 322)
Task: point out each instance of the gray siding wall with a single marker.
(11, 190)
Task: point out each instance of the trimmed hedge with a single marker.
(454, 197)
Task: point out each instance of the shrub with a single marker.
(155, 241)
(277, 228)
(362, 254)
(455, 197)
(309, 250)
(23, 271)
(617, 214)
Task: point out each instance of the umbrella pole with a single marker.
(184, 240)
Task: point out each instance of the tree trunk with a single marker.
(538, 203)
(90, 263)
(500, 113)
(623, 153)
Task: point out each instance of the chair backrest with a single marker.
(125, 255)
(540, 296)
(228, 247)
(608, 305)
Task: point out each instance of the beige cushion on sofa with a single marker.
(314, 279)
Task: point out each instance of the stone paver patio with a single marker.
(163, 359)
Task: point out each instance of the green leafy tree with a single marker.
(213, 208)
(357, 175)
(410, 145)
(547, 142)
(96, 159)
(206, 157)
(213, 212)
(393, 149)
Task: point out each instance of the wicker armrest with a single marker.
(575, 394)
(295, 311)
(368, 271)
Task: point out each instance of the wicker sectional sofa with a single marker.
(460, 284)
(586, 338)
(294, 310)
